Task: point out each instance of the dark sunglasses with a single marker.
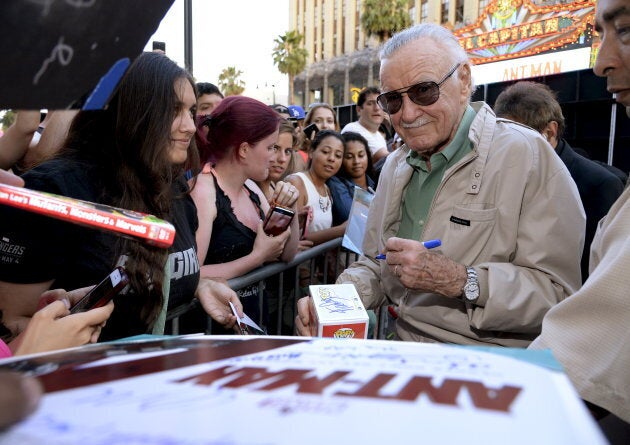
(423, 93)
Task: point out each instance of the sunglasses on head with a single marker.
(423, 93)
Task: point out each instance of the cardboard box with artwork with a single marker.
(338, 311)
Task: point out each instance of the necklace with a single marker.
(324, 201)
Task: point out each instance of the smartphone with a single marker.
(277, 221)
(311, 131)
(304, 219)
(159, 46)
(103, 292)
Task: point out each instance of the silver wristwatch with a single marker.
(471, 288)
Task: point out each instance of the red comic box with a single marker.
(140, 226)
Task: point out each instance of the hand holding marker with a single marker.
(430, 244)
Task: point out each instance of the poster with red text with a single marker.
(286, 390)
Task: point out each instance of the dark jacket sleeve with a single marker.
(342, 192)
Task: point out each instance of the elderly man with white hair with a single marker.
(504, 206)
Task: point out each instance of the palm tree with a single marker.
(383, 18)
(230, 83)
(290, 56)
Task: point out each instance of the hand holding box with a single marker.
(338, 311)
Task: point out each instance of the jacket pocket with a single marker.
(468, 233)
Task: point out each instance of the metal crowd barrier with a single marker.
(311, 258)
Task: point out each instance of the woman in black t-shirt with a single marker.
(131, 155)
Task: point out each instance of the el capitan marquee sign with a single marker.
(557, 38)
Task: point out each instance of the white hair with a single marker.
(437, 33)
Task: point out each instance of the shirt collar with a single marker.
(460, 141)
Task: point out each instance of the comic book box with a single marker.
(338, 311)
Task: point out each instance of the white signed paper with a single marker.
(318, 391)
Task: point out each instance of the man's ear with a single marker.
(465, 77)
(551, 132)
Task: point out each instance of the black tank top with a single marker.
(231, 239)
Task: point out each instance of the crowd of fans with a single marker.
(502, 200)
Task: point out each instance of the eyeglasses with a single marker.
(423, 93)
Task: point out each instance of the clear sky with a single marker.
(237, 33)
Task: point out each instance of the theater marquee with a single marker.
(519, 39)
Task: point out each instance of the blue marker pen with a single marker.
(427, 244)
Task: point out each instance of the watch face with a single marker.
(471, 291)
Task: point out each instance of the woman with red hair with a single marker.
(238, 150)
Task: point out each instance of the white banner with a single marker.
(534, 66)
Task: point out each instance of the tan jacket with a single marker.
(589, 332)
(524, 238)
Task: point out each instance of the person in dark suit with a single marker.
(623, 176)
(534, 104)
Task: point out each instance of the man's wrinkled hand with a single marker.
(423, 270)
